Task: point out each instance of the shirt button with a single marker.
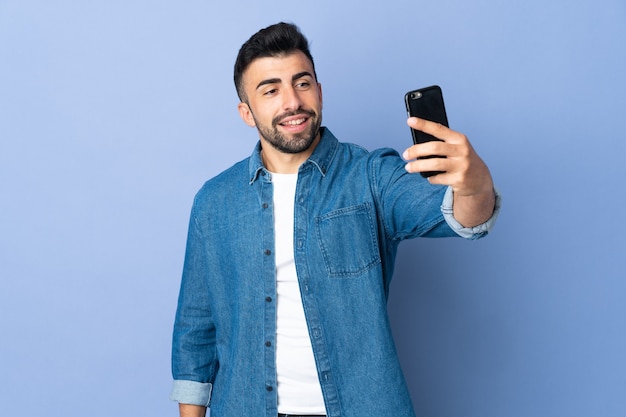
(268, 343)
(269, 388)
(265, 205)
(268, 299)
(268, 252)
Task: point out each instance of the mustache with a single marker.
(277, 119)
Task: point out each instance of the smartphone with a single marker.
(426, 103)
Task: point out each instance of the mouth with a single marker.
(295, 124)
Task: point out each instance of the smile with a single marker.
(294, 122)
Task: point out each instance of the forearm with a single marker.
(189, 410)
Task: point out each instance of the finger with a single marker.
(426, 165)
(432, 128)
(422, 150)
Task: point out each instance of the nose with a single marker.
(291, 99)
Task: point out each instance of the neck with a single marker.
(284, 163)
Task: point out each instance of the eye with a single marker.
(303, 85)
(270, 92)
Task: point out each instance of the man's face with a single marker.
(284, 101)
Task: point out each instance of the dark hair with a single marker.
(276, 40)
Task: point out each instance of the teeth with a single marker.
(294, 122)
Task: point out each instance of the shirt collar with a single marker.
(321, 158)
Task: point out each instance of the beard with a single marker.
(295, 143)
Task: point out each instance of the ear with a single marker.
(319, 89)
(246, 114)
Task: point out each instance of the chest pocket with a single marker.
(348, 240)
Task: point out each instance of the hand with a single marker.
(464, 171)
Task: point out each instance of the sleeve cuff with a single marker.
(475, 232)
(191, 392)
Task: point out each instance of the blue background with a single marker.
(113, 113)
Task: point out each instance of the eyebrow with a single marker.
(278, 80)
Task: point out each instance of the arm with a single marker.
(188, 410)
(465, 172)
(194, 352)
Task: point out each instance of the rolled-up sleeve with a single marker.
(191, 392)
(475, 232)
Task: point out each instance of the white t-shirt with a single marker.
(299, 390)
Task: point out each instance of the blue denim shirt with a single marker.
(352, 209)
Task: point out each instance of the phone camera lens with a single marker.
(416, 95)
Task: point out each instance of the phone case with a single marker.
(426, 103)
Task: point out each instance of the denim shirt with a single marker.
(352, 209)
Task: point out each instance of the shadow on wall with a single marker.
(445, 307)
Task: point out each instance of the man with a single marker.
(282, 307)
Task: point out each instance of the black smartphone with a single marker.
(426, 103)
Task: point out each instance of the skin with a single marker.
(284, 103)
(188, 410)
(465, 172)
